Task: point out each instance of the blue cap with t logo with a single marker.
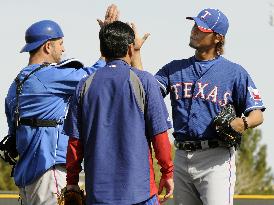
(211, 20)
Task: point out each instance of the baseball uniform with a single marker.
(115, 119)
(198, 90)
(45, 96)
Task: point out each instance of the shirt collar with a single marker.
(116, 63)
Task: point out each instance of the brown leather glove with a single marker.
(71, 197)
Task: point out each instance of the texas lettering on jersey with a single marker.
(184, 90)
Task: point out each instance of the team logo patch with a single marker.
(207, 13)
(254, 93)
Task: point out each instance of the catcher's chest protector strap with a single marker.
(30, 121)
(135, 82)
(19, 88)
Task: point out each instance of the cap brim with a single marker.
(201, 24)
(31, 46)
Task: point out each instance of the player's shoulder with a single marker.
(69, 63)
(142, 73)
(232, 66)
(145, 77)
(55, 70)
(179, 64)
(81, 84)
(61, 70)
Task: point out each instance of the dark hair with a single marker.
(115, 38)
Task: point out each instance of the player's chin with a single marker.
(193, 45)
(58, 59)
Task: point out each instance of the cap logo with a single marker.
(206, 13)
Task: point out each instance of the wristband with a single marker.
(245, 123)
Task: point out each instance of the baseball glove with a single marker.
(8, 147)
(71, 197)
(225, 132)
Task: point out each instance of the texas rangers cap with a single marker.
(211, 20)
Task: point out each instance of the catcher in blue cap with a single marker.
(213, 102)
(36, 105)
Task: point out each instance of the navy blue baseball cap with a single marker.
(211, 20)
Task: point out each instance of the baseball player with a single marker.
(36, 105)
(114, 117)
(199, 88)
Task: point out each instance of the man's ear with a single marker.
(131, 50)
(47, 47)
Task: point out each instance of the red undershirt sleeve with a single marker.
(162, 149)
(74, 160)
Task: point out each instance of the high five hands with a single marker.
(112, 14)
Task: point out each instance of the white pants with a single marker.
(205, 177)
(44, 190)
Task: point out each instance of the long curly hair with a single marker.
(220, 46)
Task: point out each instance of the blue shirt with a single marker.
(116, 134)
(198, 90)
(45, 95)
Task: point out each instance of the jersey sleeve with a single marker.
(72, 122)
(64, 80)
(98, 64)
(246, 95)
(162, 78)
(156, 114)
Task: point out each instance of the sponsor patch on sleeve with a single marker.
(254, 93)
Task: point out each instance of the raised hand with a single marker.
(112, 14)
(138, 42)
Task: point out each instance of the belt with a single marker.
(39, 123)
(191, 146)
